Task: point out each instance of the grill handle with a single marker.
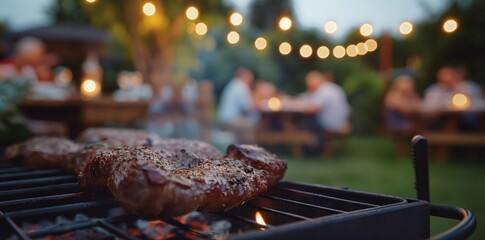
(462, 230)
(420, 164)
(468, 222)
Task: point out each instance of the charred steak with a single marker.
(153, 183)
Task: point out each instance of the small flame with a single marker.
(460, 100)
(259, 218)
(274, 104)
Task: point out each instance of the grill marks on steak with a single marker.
(153, 183)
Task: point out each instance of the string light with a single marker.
(306, 51)
(201, 28)
(260, 43)
(285, 48)
(405, 28)
(330, 27)
(233, 37)
(351, 50)
(450, 25)
(361, 49)
(366, 30)
(339, 51)
(371, 45)
(323, 52)
(236, 19)
(149, 9)
(285, 23)
(192, 13)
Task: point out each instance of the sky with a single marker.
(384, 15)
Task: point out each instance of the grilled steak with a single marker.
(76, 161)
(119, 137)
(153, 183)
(43, 152)
(175, 145)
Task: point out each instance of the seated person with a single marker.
(235, 109)
(329, 101)
(450, 81)
(28, 61)
(399, 102)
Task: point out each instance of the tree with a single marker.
(152, 41)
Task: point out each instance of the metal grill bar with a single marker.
(118, 232)
(63, 209)
(337, 202)
(39, 191)
(50, 200)
(278, 212)
(4, 169)
(186, 228)
(331, 210)
(30, 174)
(244, 220)
(36, 182)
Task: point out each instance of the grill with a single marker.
(48, 203)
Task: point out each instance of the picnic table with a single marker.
(448, 132)
(79, 113)
(286, 127)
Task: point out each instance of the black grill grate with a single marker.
(32, 195)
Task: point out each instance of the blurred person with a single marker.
(400, 101)
(329, 101)
(263, 91)
(236, 107)
(28, 61)
(438, 95)
(467, 87)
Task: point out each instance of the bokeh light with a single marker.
(323, 52)
(285, 48)
(406, 28)
(274, 104)
(201, 28)
(233, 37)
(260, 43)
(461, 101)
(351, 50)
(339, 51)
(450, 25)
(330, 27)
(371, 45)
(366, 30)
(149, 9)
(306, 51)
(90, 1)
(361, 49)
(236, 19)
(192, 13)
(285, 23)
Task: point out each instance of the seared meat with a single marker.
(175, 145)
(119, 137)
(76, 161)
(153, 183)
(43, 152)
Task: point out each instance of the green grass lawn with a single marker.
(369, 164)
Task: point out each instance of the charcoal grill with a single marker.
(291, 210)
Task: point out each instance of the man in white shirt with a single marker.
(236, 105)
(329, 101)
